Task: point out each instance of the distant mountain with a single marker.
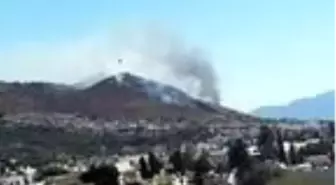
(319, 107)
(114, 97)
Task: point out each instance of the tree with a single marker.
(281, 152)
(237, 155)
(176, 160)
(331, 128)
(188, 156)
(247, 173)
(1, 116)
(144, 170)
(299, 157)
(292, 154)
(154, 163)
(202, 165)
(255, 176)
(49, 172)
(103, 175)
(221, 168)
(265, 142)
(263, 135)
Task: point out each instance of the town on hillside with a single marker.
(215, 152)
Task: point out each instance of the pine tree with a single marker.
(265, 142)
(201, 167)
(144, 170)
(154, 163)
(292, 154)
(188, 157)
(237, 155)
(176, 160)
(281, 153)
(102, 175)
(331, 128)
(247, 172)
(299, 157)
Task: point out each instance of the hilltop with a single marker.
(121, 96)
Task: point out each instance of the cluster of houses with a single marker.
(23, 175)
(127, 166)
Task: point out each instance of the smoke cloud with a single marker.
(150, 52)
(169, 60)
(192, 65)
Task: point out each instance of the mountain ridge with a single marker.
(320, 106)
(115, 97)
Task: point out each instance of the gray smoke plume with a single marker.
(163, 57)
(192, 65)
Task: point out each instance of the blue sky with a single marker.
(264, 52)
